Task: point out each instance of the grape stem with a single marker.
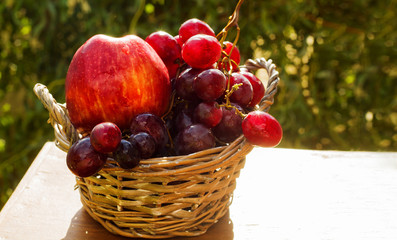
(167, 113)
(227, 61)
(227, 97)
(233, 22)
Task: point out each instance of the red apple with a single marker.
(113, 80)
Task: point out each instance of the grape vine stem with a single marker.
(233, 22)
(221, 36)
(227, 97)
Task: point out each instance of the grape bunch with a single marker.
(212, 94)
(213, 104)
(146, 137)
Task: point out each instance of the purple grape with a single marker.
(230, 126)
(82, 159)
(195, 138)
(243, 95)
(105, 137)
(145, 143)
(184, 84)
(210, 84)
(153, 125)
(208, 113)
(127, 155)
(184, 116)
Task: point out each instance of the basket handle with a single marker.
(65, 132)
(271, 86)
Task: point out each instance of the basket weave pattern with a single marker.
(167, 196)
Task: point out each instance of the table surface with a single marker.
(280, 194)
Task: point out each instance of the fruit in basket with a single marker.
(167, 48)
(193, 27)
(127, 154)
(233, 53)
(105, 137)
(179, 40)
(229, 127)
(123, 85)
(184, 84)
(201, 51)
(243, 95)
(208, 113)
(83, 160)
(153, 125)
(262, 129)
(194, 138)
(258, 90)
(210, 84)
(145, 142)
(113, 80)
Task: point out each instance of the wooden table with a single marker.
(281, 194)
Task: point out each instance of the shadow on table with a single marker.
(82, 226)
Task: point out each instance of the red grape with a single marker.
(83, 160)
(243, 95)
(262, 129)
(234, 55)
(210, 84)
(195, 138)
(230, 126)
(201, 51)
(184, 84)
(193, 27)
(167, 48)
(105, 137)
(145, 143)
(153, 125)
(179, 40)
(257, 88)
(208, 113)
(127, 154)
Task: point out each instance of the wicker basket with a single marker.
(163, 197)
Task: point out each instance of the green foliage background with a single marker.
(337, 62)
